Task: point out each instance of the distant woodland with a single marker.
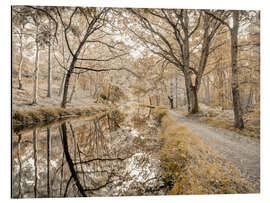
(78, 56)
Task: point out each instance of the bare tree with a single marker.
(19, 20)
(170, 33)
(95, 19)
(238, 118)
(49, 62)
(36, 70)
(41, 37)
(93, 24)
(21, 61)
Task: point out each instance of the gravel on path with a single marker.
(241, 151)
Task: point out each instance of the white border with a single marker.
(200, 4)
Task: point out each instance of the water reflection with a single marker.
(88, 157)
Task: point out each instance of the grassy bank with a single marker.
(249, 130)
(46, 115)
(192, 167)
(252, 126)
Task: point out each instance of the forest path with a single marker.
(241, 151)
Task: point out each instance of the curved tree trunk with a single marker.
(69, 160)
(191, 90)
(20, 65)
(71, 69)
(73, 88)
(20, 73)
(64, 63)
(66, 85)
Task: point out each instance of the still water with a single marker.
(86, 157)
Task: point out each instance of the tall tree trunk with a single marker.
(220, 75)
(69, 160)
(66, 85)
(192, 99)
(73, 88)
(190, 89)
(62, 83)
(20, 166)
(191, 93)
(76, 81)
(207, 90)
(70, 70)
(64, 63)
(35, 161)
(238, 120)
(176, 87)
(49, 70)
(36, 71)
(48, 160)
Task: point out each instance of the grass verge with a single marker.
(249, 130)
(46, 115)
(190, 166)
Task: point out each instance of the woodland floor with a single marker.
(241, 151)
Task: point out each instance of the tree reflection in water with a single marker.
(94, 157)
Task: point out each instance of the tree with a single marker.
(238, 118)
(49, 62)
(19, 20)
(20, 86)
(35, 20)
(171, 34)
(94, 18)
(36, 70)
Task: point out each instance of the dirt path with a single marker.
(241, 151)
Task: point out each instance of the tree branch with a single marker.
(48, 14)
(108, 59)
(196, 27)
(106, 69)
(217, 18)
